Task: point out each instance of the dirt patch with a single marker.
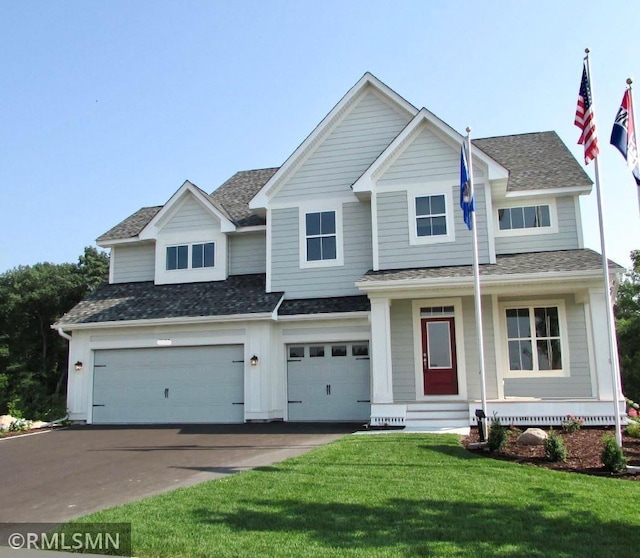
(584, 448)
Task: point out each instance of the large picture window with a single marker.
(534, 338)
(321, 236)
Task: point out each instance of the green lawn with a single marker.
(390, 495)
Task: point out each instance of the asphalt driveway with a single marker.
(61, 474)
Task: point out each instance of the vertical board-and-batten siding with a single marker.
(339, 159)
(286, 274)
(565, 239)
(426, 160)
(247, 253)
(578, 383)
(191, 217)
(133, 263)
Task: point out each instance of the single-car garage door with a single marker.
(329, 381)
(169, 385)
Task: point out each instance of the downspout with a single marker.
(62, 333)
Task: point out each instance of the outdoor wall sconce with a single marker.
(254, 360)
(78, 366)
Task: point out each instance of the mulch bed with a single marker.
(584, 448)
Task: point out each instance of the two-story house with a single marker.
(339, 287)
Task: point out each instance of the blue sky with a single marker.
(109, 106)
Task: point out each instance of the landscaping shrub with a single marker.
(612, 456)
(633, 429)
(497, 435)
(554, 448)
(572, 424)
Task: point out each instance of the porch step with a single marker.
(437, 416)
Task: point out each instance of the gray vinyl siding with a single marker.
(133, 263)
(346, 152)
(427, 157)
(191, 217)
(394, 248)
(286, 274)
(247, 253)
(578, 383)
(565, 239)
(402, 351)
(472, 359)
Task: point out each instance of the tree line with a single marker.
(34, 358)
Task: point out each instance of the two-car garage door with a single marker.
(169, 385)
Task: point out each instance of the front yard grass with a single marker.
(389, 495)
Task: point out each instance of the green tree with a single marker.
(628, 328)
(33, 357)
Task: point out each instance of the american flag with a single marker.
(585, 119)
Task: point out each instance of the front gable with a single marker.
(341, 147)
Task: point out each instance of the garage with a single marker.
(328, 382)
(169, 385)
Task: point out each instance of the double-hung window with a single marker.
(430, 214)
(191, 256)
(321, 236)
(535, 340)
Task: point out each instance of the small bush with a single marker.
(497, 435)
(633, 429)
(612, 456)
(554, 448)
(19, 425)
(572, 424)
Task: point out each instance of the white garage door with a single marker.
(329, 382)
(169, 385)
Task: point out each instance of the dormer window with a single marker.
(191, 256)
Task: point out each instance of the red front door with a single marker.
(439, 368)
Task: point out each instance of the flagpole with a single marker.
(613, 357)
(476, 289)
(635, 133)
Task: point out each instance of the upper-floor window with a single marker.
(321, 236)
(201, 255)
(527, 217)
(431, 215)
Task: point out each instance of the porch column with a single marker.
(598, 303)
(381, 383)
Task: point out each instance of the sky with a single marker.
(110, 106)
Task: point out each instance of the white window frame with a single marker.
(564, 338)
(553, 217)
(190, 246)
(320, 207)
(439, 189)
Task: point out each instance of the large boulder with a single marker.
(532, 437)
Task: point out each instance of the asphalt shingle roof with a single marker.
(510, 264)
(132, 225)
(535, 161)
(324, 305)
(239, 294)
(236, 193)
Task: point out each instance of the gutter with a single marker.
(62, 333)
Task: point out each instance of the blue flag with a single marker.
(467, 202)
(623, 135)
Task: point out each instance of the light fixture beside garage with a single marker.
(254, 360)
(78, 366)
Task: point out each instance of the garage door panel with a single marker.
(332, 387)
(169, 385)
